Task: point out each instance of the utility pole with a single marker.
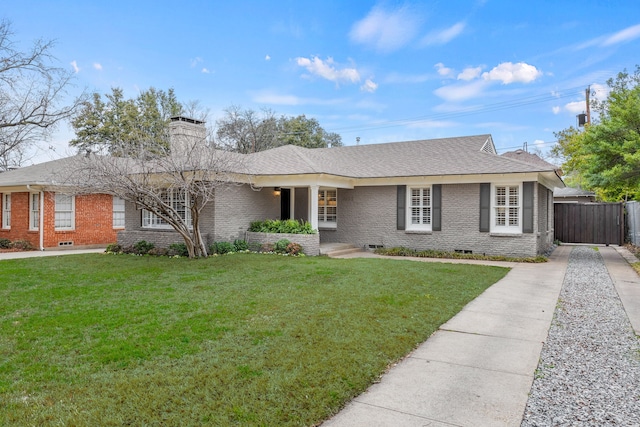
(587, 94)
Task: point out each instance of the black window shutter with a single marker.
(485, 207)
(402, 201)
(527, 206)
(436, 206)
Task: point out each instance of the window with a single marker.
(118, 212)
(419, 211)
(64, 213)
(178, 201)
(34, 211)
(328, 208)
(506, 209)
(6, 210)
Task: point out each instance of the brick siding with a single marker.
(93, 222)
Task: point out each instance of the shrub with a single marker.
(281, 246)
(267, 247)
(23, 245)
(142, 247)
(179, 249)
(290, 226)
(240, 245)
(158, 251)
(255, 247)
(221, 248)
(5, 243)
(113, 248)
(294, 249)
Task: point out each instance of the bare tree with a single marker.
(173, 189)
(246, 131)
(31, 92)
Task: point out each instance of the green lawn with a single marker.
(245, 339)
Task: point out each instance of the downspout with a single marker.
(41, 217)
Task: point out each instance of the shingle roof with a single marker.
(572, 192)
(433, 157)
(527, 157)
(446, 156)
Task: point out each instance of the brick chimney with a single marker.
(185, 132)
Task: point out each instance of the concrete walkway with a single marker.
(478, 368)
(33, 254)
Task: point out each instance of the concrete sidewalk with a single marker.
(477, 370)
(34, 254)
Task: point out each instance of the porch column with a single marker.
(292, 203)
(313, 206)
(41, 219)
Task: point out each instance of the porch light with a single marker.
(276, 191)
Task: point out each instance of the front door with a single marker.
(285, 203)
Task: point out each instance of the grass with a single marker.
(248, 339)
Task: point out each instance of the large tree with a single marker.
(117, 125)
(32, 91)
(605, 156)
(172, 188)
(247, 131)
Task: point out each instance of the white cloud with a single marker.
(406, 78)
(195, 61)
(508, 72)
(327, 70)
(576, 107)
(443, 36)
(270, 97)
(599, 92)
(369, 86)
(205, 70)
(76, 69)
(97, 66)
(461, 91)
(470, 73)
(539, 143)
(622, 36)
(442, 70)
(386, 30)
(267, 58)
(555, 110)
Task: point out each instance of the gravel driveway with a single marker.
(589, 370)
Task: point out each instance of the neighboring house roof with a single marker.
(572, 192)
(530, 158)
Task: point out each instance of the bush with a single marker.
(158, 252)
(240, 245)
(294, 249)
(23, 245)
(221, 248)
(113, 248)
(290, 226)
(179, 249)
(281, 246)
(140, 248)
(5, 243)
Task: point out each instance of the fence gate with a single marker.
(597, 223)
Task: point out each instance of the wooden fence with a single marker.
(597, 223)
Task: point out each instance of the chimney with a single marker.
(185, 132)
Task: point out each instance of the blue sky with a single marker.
(379, 71)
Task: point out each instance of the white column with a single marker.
(41, 219)
(313, 206)
(292, 203)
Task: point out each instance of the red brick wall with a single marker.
(93, 222)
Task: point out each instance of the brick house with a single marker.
(36, 208)
(452, 194)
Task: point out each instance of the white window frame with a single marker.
(419, 212)
(118, 212)
(65, 213)
(6, 211)
(34, 211)
(328, 208)
(505, 203)
(178, 201)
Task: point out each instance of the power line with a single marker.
(467, 111)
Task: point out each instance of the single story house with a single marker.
(451, 194)
(35, 206)
(573, 195)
